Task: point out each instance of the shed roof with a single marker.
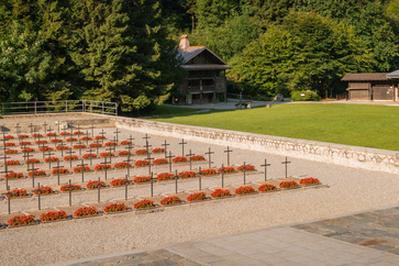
(365, 77)
(193, 51)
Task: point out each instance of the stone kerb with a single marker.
(352, 156)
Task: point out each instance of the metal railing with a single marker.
(38, 107)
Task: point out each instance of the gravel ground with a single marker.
(351, 190)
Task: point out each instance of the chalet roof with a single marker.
(365, 77)
(193, 51)
(393, 75)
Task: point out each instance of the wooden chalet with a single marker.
(205, 81)
(373, 86)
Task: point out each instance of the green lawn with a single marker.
(360, 125)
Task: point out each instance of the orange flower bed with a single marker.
(86, 138)
(61, 148)
(220, 193)
(37, 135)
(309, 181)
(8, 137)
(110, 144)
(51, 216)
(227, 169)
(32, 161)
(267, 187)
(87, 156)
(115, 207)
(36, 173)
(247, 168)
(242, 190)
(14, 175)
(170, 200)
(141, 179)
(85, 212)
(41, 142)
(102, 167)
(208, 171)
(51, 159)
(71, 158)
(45, 148)
(106, 154)
(165, 176)
(12, 162)
(79, 146)
(122, 165)
(160, 161)
(94, 184)
(65, 133)
(78, 132)
(10, 151)
(180, 159)
(119, 182)
(17, 193)
(20, 220)
(9, 144)
(25, 143)
(196, 196)
(123, 153)
(61, 171)
(51, 134)
(126, 142)
(56, 140)
(197, 158)
(144, 204)
(158, 150)
(99, 137)
(70, 187)
(187, 174)
(141, 163)
(95, 145)
(23, 136)
(43, 190)
(80, 169)
(288, 184)
(71, 139)
(141, 152)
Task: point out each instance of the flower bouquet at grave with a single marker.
(119, 182)
(12, 162)
(21, 220)
(14, 175)
(106, 154)
(86, 211)
(61, 148)
(197, 158)
(144, 204)
(126, 142)
(86, 138)
(51, 134)
(160, 161)
(141, 152)
(23, 136)
(227, 169)
(124, 153)
(61, 171)
(187, 174)
(288, 184)
(80, 169)
(94, 184)
(95, 145)
(266, 187)
(17, 193)
(158, 150)
(208, 171)
(36, 173)
(51, 159)
(115, 207)
(165, 176)
(27, 150)
(43, 190)
(170, 200)
(41, 142)
(37, 135)
(196, 196)
(220, 193)
(121, 165)
(32, 161)
(79, 146)
(52, 216)
(246, 167)
(179, 159)
(25, 143)
(10, 151)
(99, 137)
(71, 139)
(141, 179)
(88, 156)
(78, 132)
(56, 140)
(71, 157)
(309, 181)
(246, 189)
(9, 144)
(141, 163)
(102, 167)
(65, 133)
(70, 187)
(46, 148)
(8, 137)
(110, 144)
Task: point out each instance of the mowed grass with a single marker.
(360, 125)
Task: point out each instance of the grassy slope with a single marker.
(360, 125)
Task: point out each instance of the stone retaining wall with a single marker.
(358, 157)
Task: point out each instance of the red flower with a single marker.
(99, 137)
(56, 140)
(7, 137)
(141, 179)
(288, 184)
(17, 193)
(61, 148)
(247, 167)
(61, 171)
(79, 146)
(244, 190)
(95, 145)
(14, 175)
(9, 144)
(28, 149)
(55, 215)
(141, 163)
(71, 158)
(32, 161)
(37, 173)
(70, 187)
(51, 134)
(115, 207)
(123, 153)
(208, 171)
(37, 135)
(126, 142)
(71, 139)
(51, 159)
(221, 193)
(144, 204)
(45, 148)
(179, 159)
(106, 154)
(79, 169)
(196, 196)
(158, 150)
(43, 190)
(87, 156)
(187, 174)
(170, 200)
(227, 169)
(110, 144)
(78, 132)
(65, 133)
(85, 212)
(119, 182)
(165, 176)
(25, 143)
(94, 184)
(12, 162)
(23, 136)
(121, 165)
(196, 158)
(160, 161)
(86, 138)
(102, 167)
(266, 187)
(141, 152)
(41, 142)
(309, 181)
(10, 151)
(19, 220)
